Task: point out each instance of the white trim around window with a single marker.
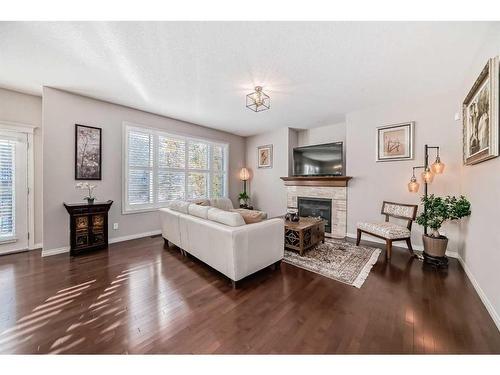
(149, 160)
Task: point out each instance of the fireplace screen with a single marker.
(316, 207)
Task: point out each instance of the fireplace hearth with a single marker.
(316, 207)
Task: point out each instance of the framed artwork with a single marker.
(88, 152)
(480, 116)
(395, 142)
(265, 156)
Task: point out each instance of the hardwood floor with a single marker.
(137, 297)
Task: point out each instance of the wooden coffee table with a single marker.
(304, 234)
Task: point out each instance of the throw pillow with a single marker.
(251, 216)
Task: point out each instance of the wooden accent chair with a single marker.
(391, 232)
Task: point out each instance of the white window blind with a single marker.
(7, 184)
(161, 167)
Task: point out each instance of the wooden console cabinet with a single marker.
(88, 226)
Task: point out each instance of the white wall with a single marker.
(481, 246)
(61, 111)
(266, 189)
(374, 182)
(322, 134)
(27, 109)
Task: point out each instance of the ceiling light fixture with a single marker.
(258, 101)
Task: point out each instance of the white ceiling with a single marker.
(315, 72)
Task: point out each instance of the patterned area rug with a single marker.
(338, 260)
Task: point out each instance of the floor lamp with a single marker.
(427, 176)
(244, 176)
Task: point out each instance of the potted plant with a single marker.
(243, 198)
(90, 188)
(437, 210)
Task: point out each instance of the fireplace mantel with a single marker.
(333, 181)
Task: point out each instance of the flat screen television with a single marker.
(319, 160)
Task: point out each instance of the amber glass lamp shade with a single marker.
(244, 174)
(413, 185)
(427, 175)
(438, 166)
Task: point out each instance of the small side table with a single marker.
(88, 225)
(304, 234)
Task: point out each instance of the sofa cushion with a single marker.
(180, 206)
(233, 219)
(251, 216)
(199, 211)
(385, 229)
(222, 203)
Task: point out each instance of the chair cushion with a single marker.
(233, 219)
(251, 216)
(396, 209)
(385, 229)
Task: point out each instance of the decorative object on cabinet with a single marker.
(395, 142)
(480, 116)
(292, 215)
(88, 152)
(88, 226)
(90, 198)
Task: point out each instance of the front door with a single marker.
(13, 192)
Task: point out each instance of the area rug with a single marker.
(338, 260)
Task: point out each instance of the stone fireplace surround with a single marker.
(334, 188)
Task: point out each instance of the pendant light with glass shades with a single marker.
(428, 174)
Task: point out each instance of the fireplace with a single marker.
(316, 207)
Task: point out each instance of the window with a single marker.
(161, 167)
(7, 199)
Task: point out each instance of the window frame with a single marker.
(156, 133)
(27, 130)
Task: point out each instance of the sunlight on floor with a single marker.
(104, 312)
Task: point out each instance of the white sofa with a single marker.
(221, 239)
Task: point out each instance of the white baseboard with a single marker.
(36, 246)
(134, 236)
(59, 250)
(486, 302)
(65, 249)
(451, 254)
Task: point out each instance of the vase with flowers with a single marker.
(90, 198)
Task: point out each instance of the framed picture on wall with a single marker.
(480, 116)
(395, 142)
(88, 152)
(265, 156)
